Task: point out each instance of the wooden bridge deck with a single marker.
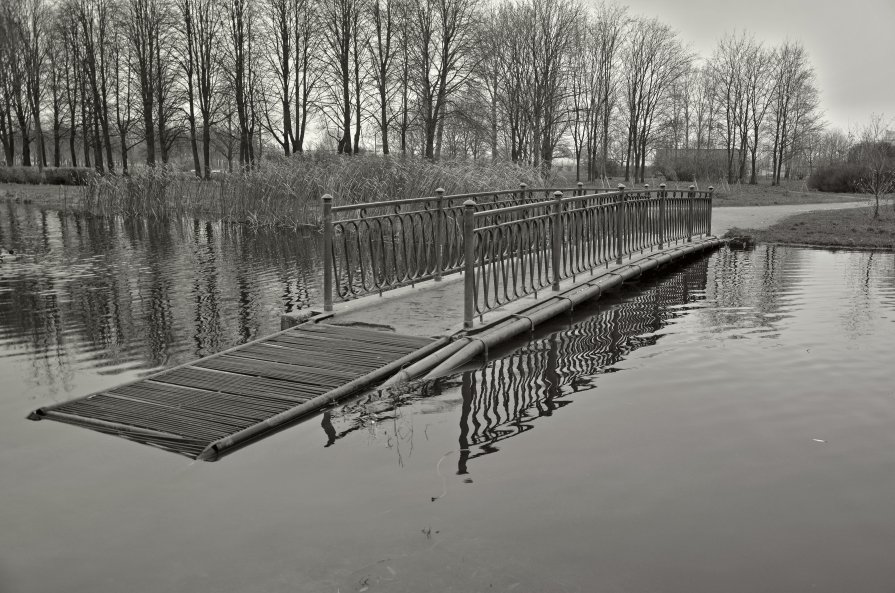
(204, 407)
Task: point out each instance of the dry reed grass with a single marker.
(286, 191)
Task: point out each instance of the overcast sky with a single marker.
(850, 42)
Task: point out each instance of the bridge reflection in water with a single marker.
(511, 394)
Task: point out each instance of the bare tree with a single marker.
(877, 157)
(16, 76)
(280, 17)
(759, 96)
(341, 20)
(167, 96)
(550, 23)
(207, 27)
(95, 18)
(7, 66)
(654, 60)
(34, 20)
(122, 90)
(443, 37)
(240, 69)
(728, 67)
(792, 77)
(189, 63)
(383, 50)
(144, 22)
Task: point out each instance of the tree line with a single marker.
(107, 83)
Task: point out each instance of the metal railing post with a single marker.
(469, 263)
(709, 214)
(619, 221)
(690, 195)
(522, 188)
(327, 252)
(558, 235)
(439, 234)
(641, 218)
(662, 216)
(580, 191)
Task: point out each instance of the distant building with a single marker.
(889, 136)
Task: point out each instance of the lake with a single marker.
(727, 425)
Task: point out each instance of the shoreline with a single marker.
(852, 229)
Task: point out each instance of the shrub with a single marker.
(691, 165)
(50, 176)
(837, 177)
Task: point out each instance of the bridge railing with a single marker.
(377, 246)
(518, 250)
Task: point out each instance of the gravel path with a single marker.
(761, 217)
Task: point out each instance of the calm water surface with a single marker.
(729, 427)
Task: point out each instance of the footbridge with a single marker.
(411, 289)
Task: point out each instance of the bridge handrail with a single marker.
(394, 243)
(519, 250)
(378, 246)
(545, 191)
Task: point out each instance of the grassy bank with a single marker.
(852, 228)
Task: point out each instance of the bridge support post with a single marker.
(619, 224)
(661, 216)
(439, 234)
(327, 252)
(469, 263)
(690, 196)
(708, 215)
(558, 239)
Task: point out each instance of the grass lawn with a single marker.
(851, 228)
(765, 194)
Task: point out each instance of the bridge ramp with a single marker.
(198, 408)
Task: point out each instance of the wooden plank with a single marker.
(254, 387)
(366, 335)
(271, 370)
(337, 343)
(312, 364)
(192, 406)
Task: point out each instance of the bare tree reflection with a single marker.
(115, 294)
